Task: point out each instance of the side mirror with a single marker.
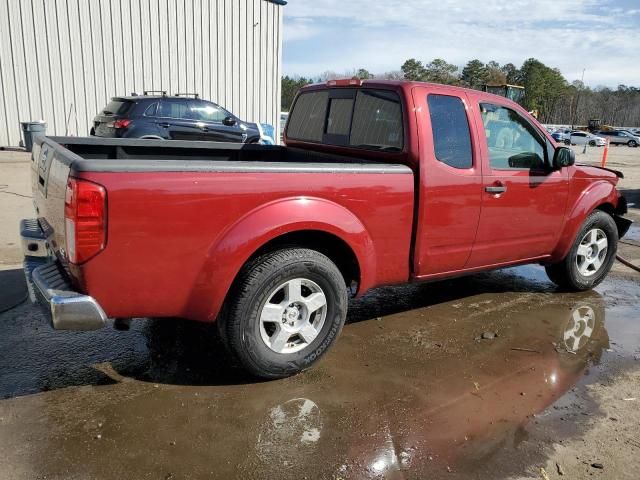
(526, 160)
(563, 157)
(229, 121)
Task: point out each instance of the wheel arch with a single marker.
(301, 222)
(600, 195)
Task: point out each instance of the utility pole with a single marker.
(575, 113)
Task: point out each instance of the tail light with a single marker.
(123, 123)
(85, 219)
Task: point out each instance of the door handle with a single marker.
(496, 189)
(205, 129)
(164, 124)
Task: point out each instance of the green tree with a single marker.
(290, 86)
(413, 70)
(495, 75)
(439, 71)
(363, 74)
(474, 74)
(544, 87)
(511, 73)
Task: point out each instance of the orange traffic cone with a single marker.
(605, 153)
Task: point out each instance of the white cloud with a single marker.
(379, 35)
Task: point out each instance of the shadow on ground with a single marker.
(173, 351)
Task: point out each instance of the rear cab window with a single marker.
(360, 118)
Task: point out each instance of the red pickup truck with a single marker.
(380, 183)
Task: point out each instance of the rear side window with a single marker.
(117, 107)
(450, 127)
(377, 120)
(151, 110)
(175, 110)
(307, 118)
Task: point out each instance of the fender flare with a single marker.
(236, 244)
(597, 194)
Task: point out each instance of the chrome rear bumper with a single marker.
(48, 285)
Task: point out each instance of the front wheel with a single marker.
(285, 310)
(592, 143)
(632, 143)
(567, 142)
(591, 255)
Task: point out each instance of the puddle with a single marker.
(411, 390)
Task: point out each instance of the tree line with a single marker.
(556, 100)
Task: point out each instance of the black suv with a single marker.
(177, 117)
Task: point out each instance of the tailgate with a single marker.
(50, 166)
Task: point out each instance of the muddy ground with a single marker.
(410, 390)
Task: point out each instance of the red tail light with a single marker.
(85, 219)
(121, 123)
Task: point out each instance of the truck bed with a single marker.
(189, 214)
(131, 155)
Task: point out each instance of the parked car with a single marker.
(381, 183)
(177, 117)
(283, 122)
(620, 137)
(578, 137)
(561, 134)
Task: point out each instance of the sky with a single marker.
(600, 36)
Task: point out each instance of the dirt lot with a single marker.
(411, 389)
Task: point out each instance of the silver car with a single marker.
(618, 137)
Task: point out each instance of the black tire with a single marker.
(592, 143)
(566, 274)
(632, 143)
(567, 142)
(240, 319)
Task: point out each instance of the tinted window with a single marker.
(307, 118)
(377, 120)
(117, 107)
(175, 110)
(512, 141)
(207, 112)
(151, 110)
(450, 127)
(339, 119)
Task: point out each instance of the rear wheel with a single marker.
(567, 142)
(284, 312)
(590, 257)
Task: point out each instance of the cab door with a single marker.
(523, 200)
(450, 187)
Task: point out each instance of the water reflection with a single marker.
(453, 415)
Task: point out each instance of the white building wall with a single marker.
(62, 60)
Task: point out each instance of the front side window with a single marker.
(511, 140)
(450, 127)
(207, 112)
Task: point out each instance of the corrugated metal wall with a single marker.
(61, 60)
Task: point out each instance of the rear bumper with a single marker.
(48, 285)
